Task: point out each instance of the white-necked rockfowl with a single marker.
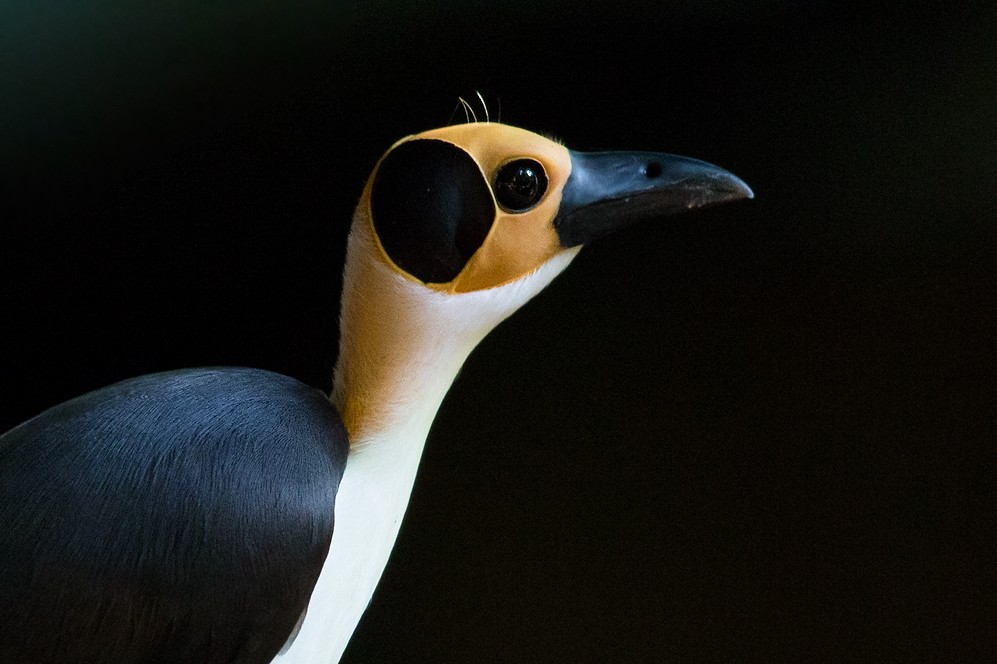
(188, 516)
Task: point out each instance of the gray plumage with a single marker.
(181, 516)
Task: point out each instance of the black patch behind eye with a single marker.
(431, 208)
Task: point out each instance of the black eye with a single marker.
(520, 184)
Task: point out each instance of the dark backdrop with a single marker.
(763, 432)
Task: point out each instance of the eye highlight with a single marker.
(520, 184)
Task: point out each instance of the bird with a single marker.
(231, 514)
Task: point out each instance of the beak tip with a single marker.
(738, 189)
(747, 192)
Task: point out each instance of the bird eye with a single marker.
(520, 184)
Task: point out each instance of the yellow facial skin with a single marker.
(518, 243)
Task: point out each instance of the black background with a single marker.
(762, 432)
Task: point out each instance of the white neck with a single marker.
(401, 346)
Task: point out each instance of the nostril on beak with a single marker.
(652, 170)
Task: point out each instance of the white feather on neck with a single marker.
(401, 346)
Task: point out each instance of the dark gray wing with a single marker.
(175, 517)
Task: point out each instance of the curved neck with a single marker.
(399, 350)
(402, 344)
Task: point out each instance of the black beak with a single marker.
(607, 191)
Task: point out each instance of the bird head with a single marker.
(458, 227)
(476, 206)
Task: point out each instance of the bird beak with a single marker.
(607, 191)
